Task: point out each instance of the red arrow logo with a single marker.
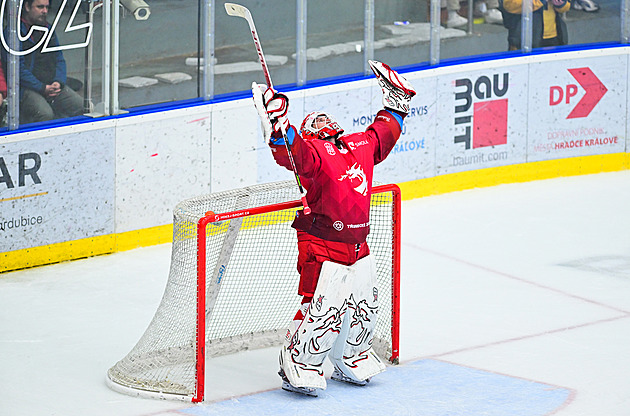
(594, 88)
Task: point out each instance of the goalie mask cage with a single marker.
(232, 286)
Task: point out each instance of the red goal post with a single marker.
(233, 286)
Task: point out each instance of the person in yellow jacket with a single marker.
(554, 27)
(548, 27)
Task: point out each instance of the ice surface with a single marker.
(515, 301)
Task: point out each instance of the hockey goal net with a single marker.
(233, 283)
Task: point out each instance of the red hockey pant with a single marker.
(313, 251)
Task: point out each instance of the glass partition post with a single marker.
(114, 49)
(469, 26)
(625, 22)
(89, 62)
(13, 75)
(102, 108)
(300, 48)
(368, 37)
(208, 26)
(435, 32)
(526, 26)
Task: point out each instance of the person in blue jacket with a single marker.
(44, 94)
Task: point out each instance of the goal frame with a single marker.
(211, 217)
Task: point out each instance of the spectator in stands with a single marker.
(490, 11)
(548, 26)
(453, 19)
(44, 94)
(555, 32)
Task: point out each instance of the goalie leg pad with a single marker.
(303, 356)
(352, 354)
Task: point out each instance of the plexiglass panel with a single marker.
(155, 50)
(84, 64)
(50, 60)
(601, 25)
(561, 22)
(335, 38)
(160, 42)
(402, 32)
(237, 64)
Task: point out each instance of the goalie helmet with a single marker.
(319, 125)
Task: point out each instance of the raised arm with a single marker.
(397, 94)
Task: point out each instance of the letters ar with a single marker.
(28, 165)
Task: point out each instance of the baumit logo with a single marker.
(487, 125)
(593, 89)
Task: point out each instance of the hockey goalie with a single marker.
(339, 306)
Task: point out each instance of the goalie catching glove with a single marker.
(397, 91)
(272, 108)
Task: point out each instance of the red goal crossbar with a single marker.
(201, 273)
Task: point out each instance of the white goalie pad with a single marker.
(340, 289)
(352, 353)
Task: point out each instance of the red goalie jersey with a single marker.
(338, 178)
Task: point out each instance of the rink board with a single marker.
(470, 125)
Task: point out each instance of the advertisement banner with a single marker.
(56, 189)
(413, 157)
(159, 162)
(577, 107)
(481, 120)
(239, 152)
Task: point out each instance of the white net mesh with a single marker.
(251, 288)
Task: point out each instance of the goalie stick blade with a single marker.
(237, 10)
(234, 9)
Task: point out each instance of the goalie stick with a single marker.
(237, 10)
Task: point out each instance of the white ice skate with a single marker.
(307, 391)
(339, 376)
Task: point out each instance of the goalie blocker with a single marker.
(339, 324)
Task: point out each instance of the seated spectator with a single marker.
(43, 93)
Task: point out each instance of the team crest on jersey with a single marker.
(330, 148)
(338, 225)
(357, 178)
